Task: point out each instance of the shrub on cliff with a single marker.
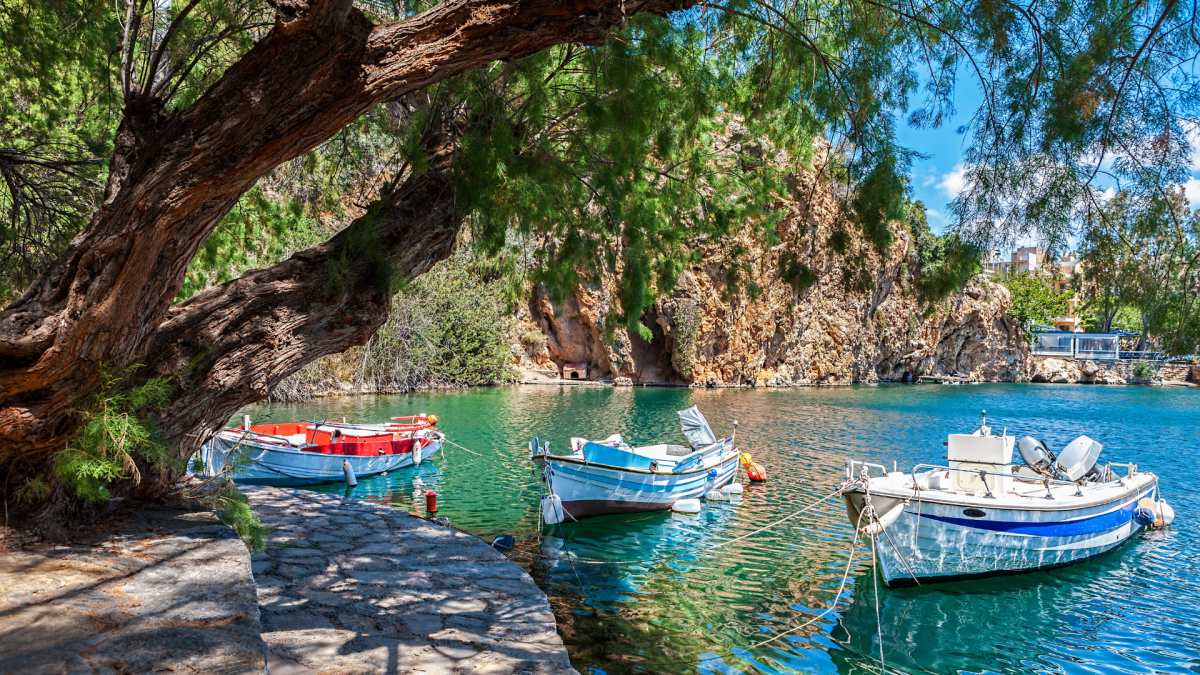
(944, 263)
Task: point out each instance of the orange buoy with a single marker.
(433, 419)
(753, 471)
(756, 473)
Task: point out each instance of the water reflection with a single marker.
(1131, 611)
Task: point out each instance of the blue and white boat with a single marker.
(981, 516)
(609, 476)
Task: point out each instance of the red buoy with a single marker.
(431, 501)
(755, 473)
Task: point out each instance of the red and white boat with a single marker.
(312, 453)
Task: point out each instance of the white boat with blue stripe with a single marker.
(609, 476)
(982, 516)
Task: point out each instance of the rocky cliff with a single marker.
(857, 320)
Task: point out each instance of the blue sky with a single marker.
(935, 181)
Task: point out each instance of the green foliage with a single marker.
(232, 507)
(258, 232)
(1142, 369)
(116, 430)
(1125, 318)
(944, 263)
(1035, 302)
(1142, 257)
(618, 158)
(54, 132)
(34, 490)
(644, 332)
(448, 328)
(795, 273)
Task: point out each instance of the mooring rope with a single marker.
(447, 440)
(878, 618)
(691, 552)
(867, 511)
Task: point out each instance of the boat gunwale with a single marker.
(303, 448)
(949, 498)
(574, 460)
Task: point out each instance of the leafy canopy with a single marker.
(1035, 301)
(628, 157)
(1143, 258)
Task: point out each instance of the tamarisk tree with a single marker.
(612, 132)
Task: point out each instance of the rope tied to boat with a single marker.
(692, 552)
(446, 440)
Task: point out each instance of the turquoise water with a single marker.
(1136, 610)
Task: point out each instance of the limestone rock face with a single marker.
(854, 323)
(1057, 370)
(1050, 369)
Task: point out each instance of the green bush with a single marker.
(1142, 369)
(232, 507)
(448, 328)
(116, 429)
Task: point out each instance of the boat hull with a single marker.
(278, 466)
(932, 542)
(594, 490)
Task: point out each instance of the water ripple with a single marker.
(1132, 611)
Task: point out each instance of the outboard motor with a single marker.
(1100, 474)
(1078, 457)
(1036, 454)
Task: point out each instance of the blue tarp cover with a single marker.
(595, 453)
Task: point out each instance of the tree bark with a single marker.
(174, 175)
(230, 345)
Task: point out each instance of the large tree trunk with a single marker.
(175, 175)
(232, 344)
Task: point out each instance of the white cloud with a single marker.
(1109, 193)
(937, 220)
(1193, 136)
(953, 182)
(1192, 190)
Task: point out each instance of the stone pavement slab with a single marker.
(167, 591)
(350, 587)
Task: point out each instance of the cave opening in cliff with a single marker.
(653, 358)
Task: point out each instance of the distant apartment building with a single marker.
(1028, 258)
(1036, 259)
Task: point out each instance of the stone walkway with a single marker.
(350, 587)
(168, 591)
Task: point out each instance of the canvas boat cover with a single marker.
(620, 458)
(696, 428)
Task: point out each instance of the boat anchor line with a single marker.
(477, 454)
(868, 512)
(718, 545)
(858, 531)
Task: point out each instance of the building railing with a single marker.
(1089, 346)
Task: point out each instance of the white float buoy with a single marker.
(733, 488)
(686, 506)
(552, 509)
(1166, 514)
(349, 471)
